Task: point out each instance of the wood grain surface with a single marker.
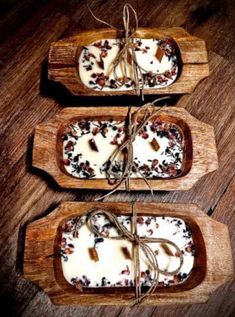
(27, 98)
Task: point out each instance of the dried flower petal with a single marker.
(188, 249)
(66, 161)
(78, 286)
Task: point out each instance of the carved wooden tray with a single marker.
(212, 263)
(200, 156)
(64, 54)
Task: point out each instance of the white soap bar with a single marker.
(114, 268)
(83, 160)
(96, 69)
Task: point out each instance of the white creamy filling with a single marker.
(113, 268)
(168, 158)
(96, 69)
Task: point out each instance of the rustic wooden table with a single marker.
(27, 98)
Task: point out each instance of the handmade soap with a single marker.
(89, 260)
(157, 59)
(88, 146)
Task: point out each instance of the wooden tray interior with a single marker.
(181, 124)
(195, 278)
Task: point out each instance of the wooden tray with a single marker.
(200, 149)
(212, 265)
(64, 54)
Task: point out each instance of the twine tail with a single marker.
(139, 243)
(99, 20)
(133, 129)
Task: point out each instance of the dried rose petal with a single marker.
(140, 220)
(154, 163)
(176, 279)
(188, 249)
(66, 161)
(68, 251)
(69, 145)
(103, 53)
(95, 131)
(78, 286)
(101, 82)
(145, 135)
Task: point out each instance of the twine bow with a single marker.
(135, 123)
(127, 53)
(139, 243)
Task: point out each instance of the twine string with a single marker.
(135, 123)
(98, 19)
(127, 52)
(139, 243)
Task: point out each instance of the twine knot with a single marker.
(134, 124)
(126, 54)
(139, 243)
(136, 239)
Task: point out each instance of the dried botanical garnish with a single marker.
(94, 254)
(159, 54)
(66, 161)
(170, 228)
(80, 164)
(101, 62)
(78, 286)
(93, 145)
(126, 253)
(92, 61)
(155, 144)
(176, 279)
(129, 58)
(188, 249)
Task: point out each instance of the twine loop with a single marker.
(126, 54)
(135, 123)
(139, 243)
